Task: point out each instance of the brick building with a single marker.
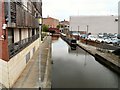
(64, 26)
(64, 23)
(20, 29)
(51, 22)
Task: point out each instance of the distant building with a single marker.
(64, 26)
(55, 30)
(20, 27)
(94, 24)
(64, 23)
(51, 22)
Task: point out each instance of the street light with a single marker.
(40, 36)
(87, 29)
(78, 32)
(87, 33)
(71, 33)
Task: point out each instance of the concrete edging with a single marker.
(47, 72)
(103, 60)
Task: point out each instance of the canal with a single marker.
(78, 69)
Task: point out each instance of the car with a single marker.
(118, 36)
(100, 35)
(92, 37)
(100, 39)
(83, 36)
(107, 40)
(110, 35)
(115, 41)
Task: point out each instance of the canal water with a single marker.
(78, 69)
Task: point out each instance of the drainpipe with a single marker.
(9, 15)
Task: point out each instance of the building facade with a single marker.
(64, 23)
(94, 24)
(20, 29)
(51, 22)
(64, 26)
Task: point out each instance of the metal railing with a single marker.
(15, 48)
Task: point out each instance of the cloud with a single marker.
(64, 8)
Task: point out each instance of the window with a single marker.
(27, 57)
(10, 36)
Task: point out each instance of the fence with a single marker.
(18, 46)
(99, 45)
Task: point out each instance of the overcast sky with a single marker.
(62, 9)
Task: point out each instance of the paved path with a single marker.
(31, 76)
(46, 63)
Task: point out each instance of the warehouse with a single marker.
(94, 24)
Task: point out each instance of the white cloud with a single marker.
(62, 9)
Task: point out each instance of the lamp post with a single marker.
(87, 29)
(71, 33)
(87, 33)
(78, 32)
(40, 28)
(40, 36)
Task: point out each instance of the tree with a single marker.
(58, 26)
(61, 26)
(45, 28)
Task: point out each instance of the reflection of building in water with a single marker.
(77, 51)
(55, 37)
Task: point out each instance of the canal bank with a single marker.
(109, 59)
(103, 55)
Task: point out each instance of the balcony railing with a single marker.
(17, 16)
(15, 48)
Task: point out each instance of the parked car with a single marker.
(110, 35)
(83, 36)
(107, 40)
(118, 36)
(100, 39)
(115, 41)
(100, 35)
(92, 38)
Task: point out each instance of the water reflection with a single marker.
(77, 51)
(78, 69)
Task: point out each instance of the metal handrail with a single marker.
(16, 47)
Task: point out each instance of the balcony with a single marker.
(15, 48)
(18, 17)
